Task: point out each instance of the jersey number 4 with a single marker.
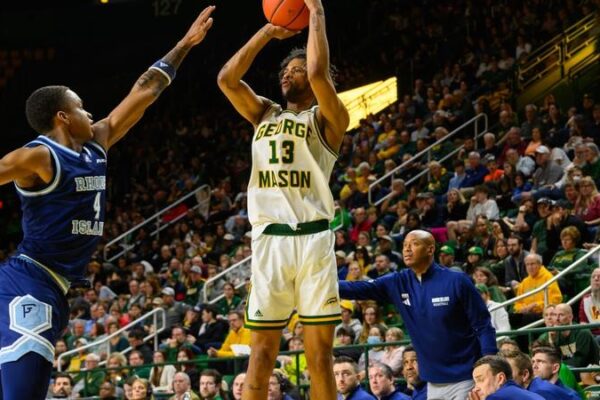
(287, 152)
(97, 205)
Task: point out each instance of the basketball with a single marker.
(290, 14)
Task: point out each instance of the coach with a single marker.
(446, 318)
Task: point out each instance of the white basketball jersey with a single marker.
(291, 166)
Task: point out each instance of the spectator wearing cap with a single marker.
(381, 267)
(500, 320)
(494, 174)
(342, 264)
(532, 306)
(349, 323)
(76, 361)
(446, 258)
(474, 259)
(194, 286)
(385, 247)
(175, 310)
(545, 177)
(475, 172)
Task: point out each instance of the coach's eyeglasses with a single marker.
(292, 71)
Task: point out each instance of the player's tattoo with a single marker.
(153, 79)
(176, 56)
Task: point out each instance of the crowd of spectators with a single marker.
(512, 210)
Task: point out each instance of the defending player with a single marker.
(290, 204)
(60, 178)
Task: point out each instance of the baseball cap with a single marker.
(564, 204)
(157, 301)
(82, 341)
(481, 288)
(546, 200)
(197, 309)
(542, 150)
(386, 237)
(447, 250)
(248, 234)
(425, 195)
(476, 250)
(168, 291)
(196, 269)
(340, 253)
(490, 157)
(347, 304)
(228, 236)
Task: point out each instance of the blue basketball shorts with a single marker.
(33, 311)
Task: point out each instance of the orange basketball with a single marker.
(290, 14)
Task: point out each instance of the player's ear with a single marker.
(63, 117)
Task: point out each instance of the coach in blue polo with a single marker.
(446, 318)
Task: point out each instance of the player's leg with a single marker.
(26, 378)
(318, 342)
(318, 309)
(270, 304)
(33, 313)
(265, 346)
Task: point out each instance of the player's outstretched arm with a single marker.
(333, 113)
(242, 97)
(26, 166)
(150, 85)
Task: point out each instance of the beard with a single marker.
(294, 93)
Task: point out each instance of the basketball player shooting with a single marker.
(60, 178)
(290, 204)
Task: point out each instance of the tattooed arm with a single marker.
(148, 87)
(332, 114)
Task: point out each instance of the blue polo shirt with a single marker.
(550, 391)
(420, 392)
(448, 322)
(511, 391)
(395, 395)
(358, 394)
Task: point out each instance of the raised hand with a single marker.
(278, 32)
(199, 28)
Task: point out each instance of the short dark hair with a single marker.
(214, 373)
(346, 359)
(43, 104)
(64, 375)
(497, 364)
(342, 331)
(553, 354)
(136, 334)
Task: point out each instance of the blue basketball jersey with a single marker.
(63, 221)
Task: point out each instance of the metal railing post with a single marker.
(155, 321)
